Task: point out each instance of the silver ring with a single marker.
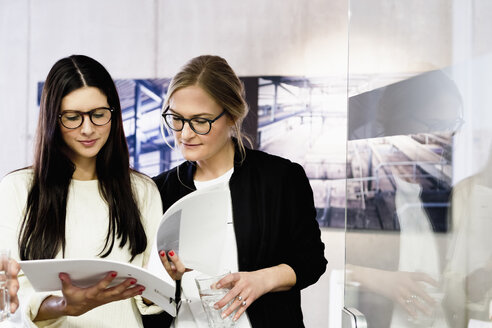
(240, 298)
(413, 297)
(408, 301)
(243, 303)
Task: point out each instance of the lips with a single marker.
(189, 145)
(88, 143)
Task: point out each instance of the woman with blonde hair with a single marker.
(273, 246)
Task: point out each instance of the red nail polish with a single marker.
(113, 274)
(162, 253)
(142, 289)
(133, 282)
(171, 253)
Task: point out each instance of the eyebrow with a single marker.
(193, 116)
(81, 111)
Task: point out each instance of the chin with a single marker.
(192, 156)
(88, 154)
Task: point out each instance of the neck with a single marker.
(85, 169)
(218, 165)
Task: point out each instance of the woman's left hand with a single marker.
(247, 287)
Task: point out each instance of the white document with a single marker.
(195, 228)
(43, 275)
(479, 324)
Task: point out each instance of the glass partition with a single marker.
(419, 170)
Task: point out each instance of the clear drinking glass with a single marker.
(210, 295)
(4, 279)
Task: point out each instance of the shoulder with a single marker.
(140, 179)
(142, 184)
(463, 188)
(14, 190)
(165, 176)
(271, 165)
(171, 177)
(18, 179)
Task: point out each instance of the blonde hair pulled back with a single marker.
(214, 75)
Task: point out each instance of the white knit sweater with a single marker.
(86, 229)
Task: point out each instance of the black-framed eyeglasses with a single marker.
(199, 125)
(72, 119)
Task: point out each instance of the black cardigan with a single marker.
(274, 221)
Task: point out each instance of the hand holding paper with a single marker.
(194, 227)
(173, 265)
(77, 301)
(44, 276)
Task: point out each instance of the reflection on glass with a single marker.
(426, 103)
(398, 196)
(468, 276)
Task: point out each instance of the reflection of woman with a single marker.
(468, 276)
(418, 253)
(80, 200)
(424, 104)
(418, 268)
(273, 246)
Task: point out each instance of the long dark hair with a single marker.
(42, 234)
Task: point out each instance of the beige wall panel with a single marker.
(397, 37)
(257, 37)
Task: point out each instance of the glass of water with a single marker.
(209, 295)
(4, 279)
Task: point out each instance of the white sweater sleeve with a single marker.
(150, 206)
(13, 198)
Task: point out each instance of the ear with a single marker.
(230, 121)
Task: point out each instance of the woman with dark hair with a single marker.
(273, 246)
(80, 199)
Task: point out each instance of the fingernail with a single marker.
(218, 286)
(223, 315)
(142, 289)
(216, 306)
(162, 253)
(113, 274)
(171, 253)
(133, 282)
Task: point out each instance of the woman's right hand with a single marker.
(174, 267)
(77, 301)
(13, 286)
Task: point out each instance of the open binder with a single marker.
(194, 227)
(43, 276)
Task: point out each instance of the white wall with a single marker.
(152, 38)
(14, 85)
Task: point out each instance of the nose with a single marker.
(187, 132)
(87, 127)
